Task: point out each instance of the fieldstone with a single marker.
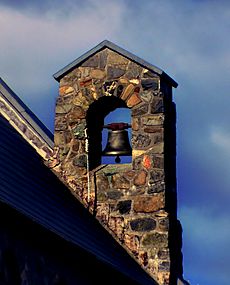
(80, 161)
(97, 73)
(133, 100)
(114, 72)
(156, 175)
(79, 131)
(102, 183)
(147, 73)
(86, 82)
(114, 194)
(93, 61)
(102, 58)
(116, 224)
(163, 254)
(65, 90)
(148, 204)
(87, 93)
(164, 266)
(63, 109)
(127, 92)
(140, 178)
(133, 71)
(76, 113)
(135, 124)
(80, 100)
(155, 240)
(62, 137)
(120, 182)
(164, 224)
(153, 120)
(75, 146)
(158, 161)
(157, 105)
(60, 123)
(147, 162)
(132, 242)
(156, 187)
(114, 58)
(140, 141)
(149, 84)
(143, 224)
(146, 96)
(140, 110)
(124, 207)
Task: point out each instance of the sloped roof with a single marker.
(29, 186)
(107, 44)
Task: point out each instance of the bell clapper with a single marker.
(117, 159)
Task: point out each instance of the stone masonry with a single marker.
(135, 202)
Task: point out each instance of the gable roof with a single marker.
(107, 44)
(25, 121)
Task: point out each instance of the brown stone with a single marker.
(153, 120)
(135, 124)
(140, 110)
(127, 92)
(76, 113)
(140, 178)
(60, 123)
(86, 82)
(115, 58)
(155, 240)
(133, 100)
(97, 73)
(64, 90)
(102, 183)
(148, 204)
(116, 224)
(132, 242)
(63, 109)
(120, 182)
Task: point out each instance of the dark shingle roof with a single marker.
(107, 44)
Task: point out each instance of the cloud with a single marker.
(221, 138)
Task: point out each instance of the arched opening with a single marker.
(100, 113)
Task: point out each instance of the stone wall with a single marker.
(136, 202)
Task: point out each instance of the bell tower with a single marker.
(136, 202)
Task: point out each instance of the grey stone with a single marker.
(140, 141)
(149, 84)
(124, 207)
(80, 161)
(155, 240)
(143, 224)
(114, 72)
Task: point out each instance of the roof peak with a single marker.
(108, 44)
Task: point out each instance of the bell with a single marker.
(118, 141)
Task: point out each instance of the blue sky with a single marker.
(190, 41)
